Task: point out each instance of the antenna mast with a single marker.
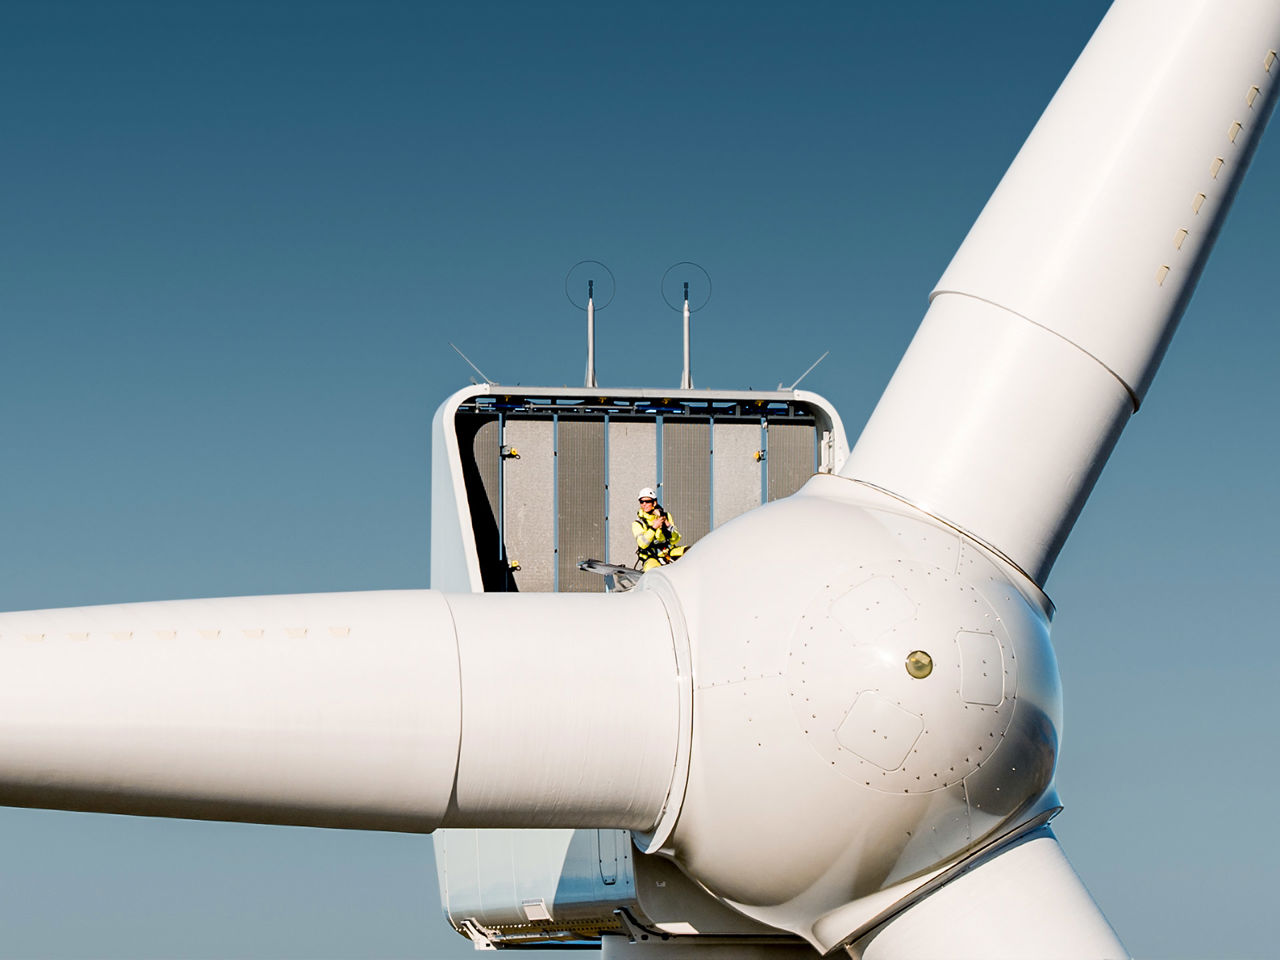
(472, 365)
(590, 271)
(686, 378)
(590, 379)
(684, 273)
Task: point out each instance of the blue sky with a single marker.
(238, 236)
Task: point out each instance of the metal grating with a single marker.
(633, 464)
(686, 477)
(579, 502)
(529, 509)
(736, 469)
(548, 512)
(791, 457)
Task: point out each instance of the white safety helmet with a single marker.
(647, 494)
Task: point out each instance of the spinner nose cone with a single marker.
(905, 678)
(863, 715)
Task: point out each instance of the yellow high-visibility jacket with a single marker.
(653, 543)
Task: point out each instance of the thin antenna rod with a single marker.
(686, 378)
(809, 371)
(473, 366)
(590, 380)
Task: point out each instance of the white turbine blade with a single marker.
(1045, 331)
(1026, 902)
(342, 710)
(328, 710)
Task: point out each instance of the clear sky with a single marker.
(235, 238)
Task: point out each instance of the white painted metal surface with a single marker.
(686, 375)
(570, 710)
(455, 564)
(1025, 902)
(501, 879)
(854, 780)
(402, 710)
(1047, 327)
(590, 380)
(835, 447)
(336, 710)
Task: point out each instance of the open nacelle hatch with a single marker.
(539, 479)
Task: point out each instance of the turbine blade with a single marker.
(1026, 901)
(1046, 329)
(342, 710)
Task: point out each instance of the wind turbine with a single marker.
(953, 502)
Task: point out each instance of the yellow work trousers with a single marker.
(675, 553)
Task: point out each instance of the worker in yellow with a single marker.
(655, 532)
